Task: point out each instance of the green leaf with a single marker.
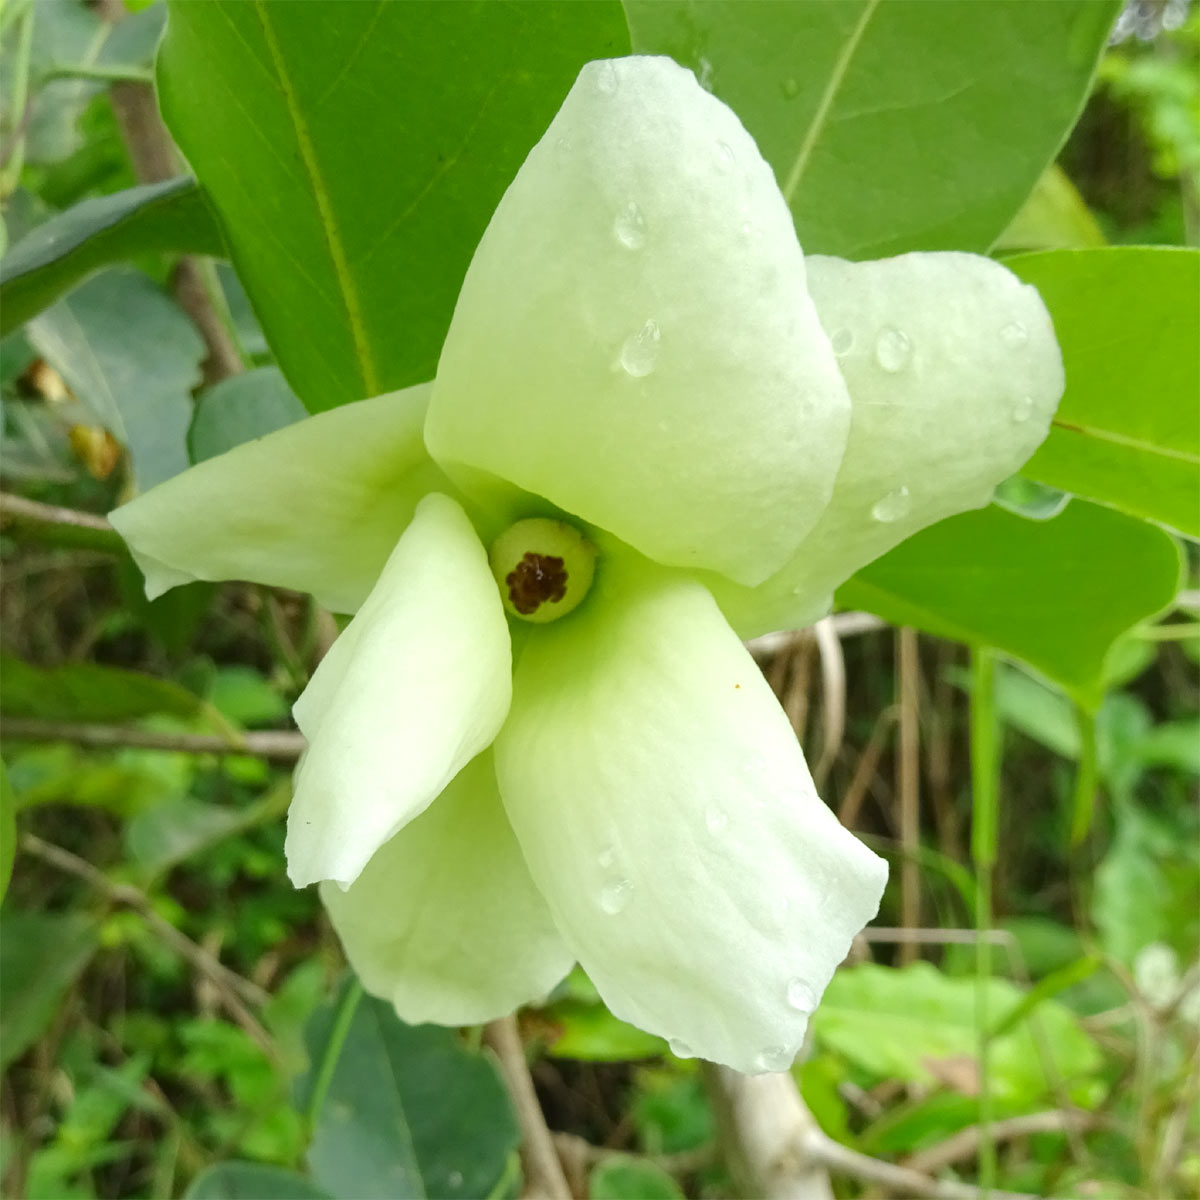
(852, 101)
(170, 217)
(623, 1177)
(1053, 217)
(906, 1024)
(8, 830)
(402, 1111)
(242, 408)
(590, 1033)
(41, 955)
(128, 353)
(87, 692)
(1126, 431)
(350, 213)
(1055, 593)
(251, 1181)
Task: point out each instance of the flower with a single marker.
(645, 378)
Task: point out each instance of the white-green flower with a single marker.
(643, 378)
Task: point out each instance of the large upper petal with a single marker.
(954, 374)
(316, 506)
(445, 921)
(415, 687)
(634, 341)
(667, 815)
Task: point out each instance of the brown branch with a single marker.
(234, 991)
(908, 780)
(965, 1143)
(544, 1175)
(279, 745)
(58, 526)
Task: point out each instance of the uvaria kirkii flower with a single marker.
(655, 429)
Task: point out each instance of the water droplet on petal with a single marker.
(748, 229)
(680, 1048)
(774, 1058)
(630, 227)
(893, 506)
(716, 820)
(725, 157)
(606, 858)
(842, 341)
(1014, 334)
(639, 354)
(614, 896)
(1022, 410)
(606, 79)
(892, 349)
(790, 89)
(800, 996)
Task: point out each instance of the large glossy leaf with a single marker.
(170, 216)
(1127, 431)
(131, 356)
(87, 692)
(239, 409)
(251, 1181)
(1054, 593)
(355, 153)
(399, 1110)
(892, 125)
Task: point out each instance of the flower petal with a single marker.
(445, 921)
(634, 341)
(667, 815)
(414, 688)
(316, 506)
(954, 375)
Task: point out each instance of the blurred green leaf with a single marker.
(87, 692)
(243, 696)
(589, 1032)
(41, 956)
(850, 102)
(242, 408)
(99, 231)
(404, 1111)
(1053, 217)
(252, 1181)
(623, 1177)
(352, 216)
(8, 829)
(1047, 592)
(132, 357)
(1126, 431)
(919, 1025)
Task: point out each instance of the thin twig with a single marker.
(63, 526)
(235, 992)
(908, 780)
(965, 1143)
(845, 624)
(833, 690)
(281, 745)
(543, 1171)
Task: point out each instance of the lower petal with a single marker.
(445, 921)
(668, 817)
(416, 686)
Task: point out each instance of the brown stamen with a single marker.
(534, 580)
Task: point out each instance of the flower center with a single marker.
(543, 568)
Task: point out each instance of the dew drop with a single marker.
(774, 1058)
(716, 820)
(892, 349)
(790, 88)
(842, 341)
(630, 227)
(1014, 334)
(1022, 410)
(614, 896)
(606, 79)
(639, 354)
(680, 1048)
(893, 506)
(748, 229)
(725, 157)
(454, 1179)
(800, 996)
(606, 858)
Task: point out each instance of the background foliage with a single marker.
(174, 1019)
